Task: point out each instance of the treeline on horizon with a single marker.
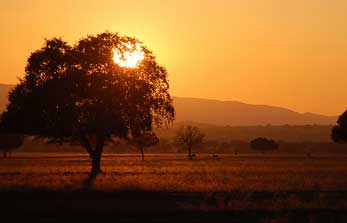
(310, 139)
(287, 133)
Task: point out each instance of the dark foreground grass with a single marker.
(144, 206)
(168, 188)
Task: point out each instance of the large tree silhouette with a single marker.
(78, 93)
(339, 131)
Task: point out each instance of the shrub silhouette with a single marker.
(78, 92)
(189, 136)
(339, 131)
(263, 144)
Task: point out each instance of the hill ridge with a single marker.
(227, 112)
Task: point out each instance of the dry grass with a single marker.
(243, 182)
(172, 172)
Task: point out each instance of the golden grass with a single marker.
(172, 172)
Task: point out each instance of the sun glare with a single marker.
(129, 56)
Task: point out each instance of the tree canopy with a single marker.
(74, 92)
(263, 144)
(339, 131)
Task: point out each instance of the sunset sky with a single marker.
(289, 53)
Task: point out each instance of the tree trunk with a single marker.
(143, 154)
(84, 141)
(96, 165)
(190, 152)
(96, 157)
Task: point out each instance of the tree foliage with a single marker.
(339, 131)
(75, 92)
(263, 144)
(189, 136)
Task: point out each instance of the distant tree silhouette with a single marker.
(189, 136)
(146, 139)
(9, 142)
(77, 93)
(339, 131)
(263, 144)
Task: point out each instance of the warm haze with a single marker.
(173, 111)
(283, 53)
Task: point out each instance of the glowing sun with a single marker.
(128, 55)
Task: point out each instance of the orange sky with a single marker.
(290, 53)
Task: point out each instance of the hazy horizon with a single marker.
(283, 53)
(2, 95)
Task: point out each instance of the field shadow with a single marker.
(88, 205)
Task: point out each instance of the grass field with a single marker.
(275, 185)
(172, 172)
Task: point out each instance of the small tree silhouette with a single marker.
(78, 92)
(339, 131)
(263, 144)
(9, 142)
(189, 136)
(146, 139)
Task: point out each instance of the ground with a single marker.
(169, 188)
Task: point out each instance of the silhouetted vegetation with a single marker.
(78, 93)
(189, 136)
(9, 142)
(263, 144)
(339, 132)
(168, 145)
(147, 139)
(288, 133)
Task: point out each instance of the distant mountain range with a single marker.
(235, 113)
(224, 113)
